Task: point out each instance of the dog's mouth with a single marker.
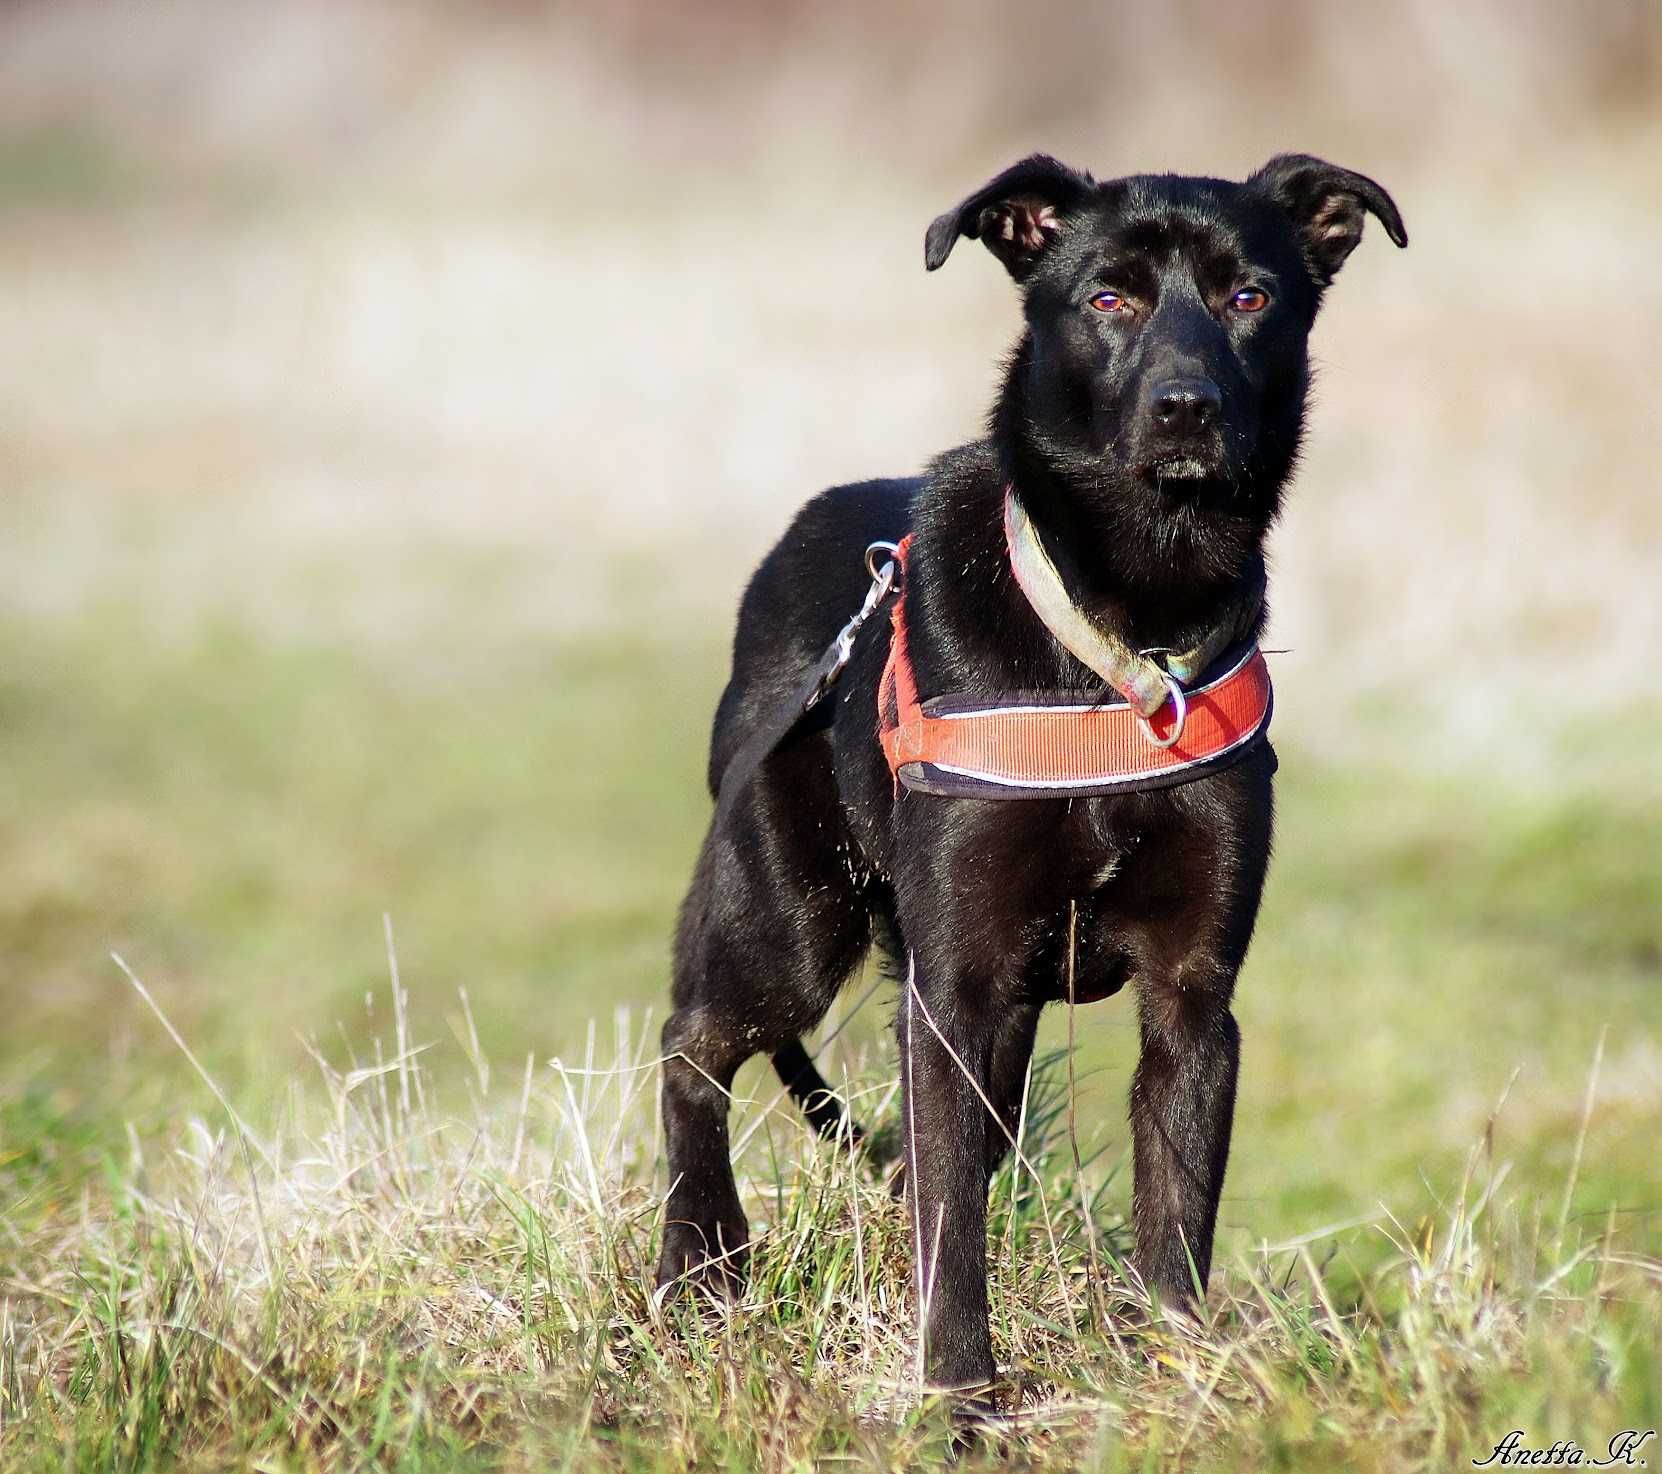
(1181, 468)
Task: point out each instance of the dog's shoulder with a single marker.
(958, 488)
(817, 568)
(800, 595)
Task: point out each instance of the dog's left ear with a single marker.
(1015, 215)
(1327, 203)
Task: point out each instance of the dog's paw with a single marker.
(708, 1258)
(895, 1180)
(979, 1418)
(1156, 1328)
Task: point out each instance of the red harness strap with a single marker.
(1062, 744)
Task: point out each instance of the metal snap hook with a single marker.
(842, 648)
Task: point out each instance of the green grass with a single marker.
(378, 1282)
(448, 1284)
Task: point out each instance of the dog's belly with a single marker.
(1098, 972)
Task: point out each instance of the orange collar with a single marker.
(1029, 744)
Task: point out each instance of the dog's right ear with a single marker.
(1014, 216)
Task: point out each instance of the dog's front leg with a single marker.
(945, 1048)
(1182, 1107)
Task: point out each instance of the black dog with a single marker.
(1149, 419)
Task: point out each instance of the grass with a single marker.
(433, 1253)
(374, 1279)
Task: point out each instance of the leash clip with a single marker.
(882, 583)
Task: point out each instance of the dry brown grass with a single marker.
(377, 1278)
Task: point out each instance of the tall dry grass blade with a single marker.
(854, 1206)
(588, 1068)
(524, 1111)
(1021, 1136)
(926, 1285)
(1581, 1134)
(245, 1137)
(580, 1130)
(400, 1020)
(476, 1056)
(1073, 1110)
(909, 1096)
(195, 1063)
(1315, 1235)
(1318, 1287)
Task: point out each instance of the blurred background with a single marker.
(394, 397)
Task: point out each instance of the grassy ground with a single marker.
(457, 1279)
(411, 1288)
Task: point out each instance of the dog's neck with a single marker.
(1150, 567)
(1147, 569)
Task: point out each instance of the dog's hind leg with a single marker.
(771, 928)
(705, 1232)
(1012, 1051)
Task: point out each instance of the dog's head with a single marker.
(1168, 316)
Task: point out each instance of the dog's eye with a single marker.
(1110, 302)
(1250, 299)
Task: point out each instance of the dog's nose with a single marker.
(1186, 406)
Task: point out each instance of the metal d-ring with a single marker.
(1180, 708)
(872, 550)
